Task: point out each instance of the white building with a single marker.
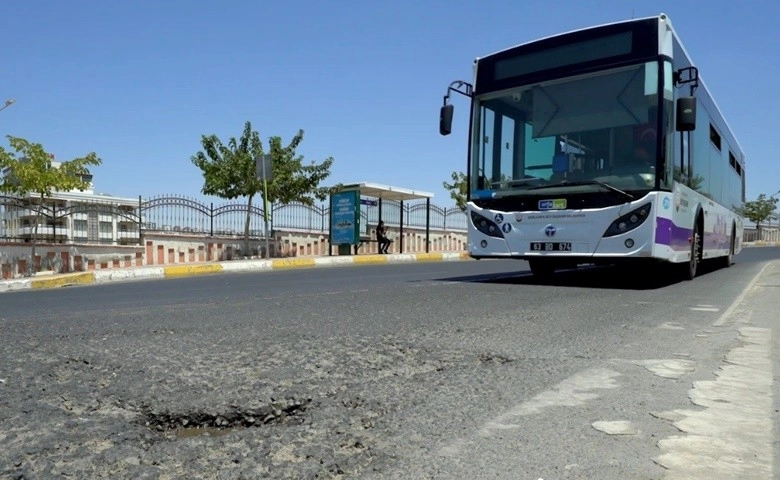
(71, 217)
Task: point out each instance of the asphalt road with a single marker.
(440, 370)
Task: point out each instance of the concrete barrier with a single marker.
(187, 270)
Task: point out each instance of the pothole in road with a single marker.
(214, 424)
(494, 359)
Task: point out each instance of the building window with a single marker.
(714, 137)
(80, 228)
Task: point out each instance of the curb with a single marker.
(179, 271)
(68, 279)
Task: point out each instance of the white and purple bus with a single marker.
(600, 145)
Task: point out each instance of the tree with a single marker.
(28, 171)
(229, 171)
(759, 210)
(458, 189)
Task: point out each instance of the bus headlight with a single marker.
(629, 221)
(486, 226)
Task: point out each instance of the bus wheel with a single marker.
(541, 268)
(693, 264)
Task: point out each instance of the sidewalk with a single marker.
(191, 269)
(731, 433)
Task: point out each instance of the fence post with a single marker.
(211, 220)
(401, 229)
(427, 224)
(140, 221)
(270, 220)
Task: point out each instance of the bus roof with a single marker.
(561, 34)
(661, 16)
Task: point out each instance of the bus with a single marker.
(599, 146)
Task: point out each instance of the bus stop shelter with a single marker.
(386, 192)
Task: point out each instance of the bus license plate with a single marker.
(551, 246)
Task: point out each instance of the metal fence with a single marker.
(107, 220)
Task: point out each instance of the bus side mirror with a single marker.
(686, 114)
(445, 119)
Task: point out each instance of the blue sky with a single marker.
(138, 82)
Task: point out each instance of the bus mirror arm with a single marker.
(686, 106)
(445, 115)
(459, 86)
(688, 75)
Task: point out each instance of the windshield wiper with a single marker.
(566, 183)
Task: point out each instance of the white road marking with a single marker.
(671, 326)
(669, 368)
(575, 390)
(615, 427)
(705, 309)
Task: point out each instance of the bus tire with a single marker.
(692, 266)
(728, 260)
(541, 268)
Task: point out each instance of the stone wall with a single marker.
(171, 248)
(767, 234)
(15, 258)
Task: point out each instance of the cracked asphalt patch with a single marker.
(111, 408)
(194, 423)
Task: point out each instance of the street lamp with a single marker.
(11, 101)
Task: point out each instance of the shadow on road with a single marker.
(605, 277)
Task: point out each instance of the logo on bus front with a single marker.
(554, 204)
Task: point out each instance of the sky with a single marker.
(138, 82)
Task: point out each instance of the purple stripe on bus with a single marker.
(667, 233)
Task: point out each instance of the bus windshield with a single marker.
(598, 129)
